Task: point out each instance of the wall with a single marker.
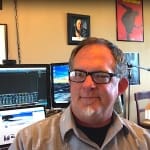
(43, 31)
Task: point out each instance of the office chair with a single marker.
(142, 99)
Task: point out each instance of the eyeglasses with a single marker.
(98, 77)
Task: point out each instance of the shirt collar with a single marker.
(67, 123)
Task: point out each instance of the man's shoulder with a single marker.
(130, 126)
(135, 129)
(45, 124)
(40, 132)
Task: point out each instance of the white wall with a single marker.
(43, 32)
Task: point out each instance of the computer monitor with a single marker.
(60, 88)
(24, 84)
(12, 120)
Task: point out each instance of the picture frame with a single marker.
(133, 74)
(129, 20)
(3, 43)
(0, 4)
(78, 28)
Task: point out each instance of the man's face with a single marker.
(93, 103)
(79, 24)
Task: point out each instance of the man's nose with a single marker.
(89, 82)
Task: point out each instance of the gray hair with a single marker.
(121, 67)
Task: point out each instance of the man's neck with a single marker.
(101, 124)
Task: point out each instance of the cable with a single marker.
(17, 31)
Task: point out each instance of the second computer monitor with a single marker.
(60, 88)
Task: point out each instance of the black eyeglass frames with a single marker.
(98, 77)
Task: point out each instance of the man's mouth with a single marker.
(89, 100)
(89, 97)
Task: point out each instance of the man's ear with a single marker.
(122, 86)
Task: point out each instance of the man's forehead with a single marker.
(100, 50)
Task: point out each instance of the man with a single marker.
(80, 28)
(89, 123)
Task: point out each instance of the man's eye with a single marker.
(101, 76)
(79, 74)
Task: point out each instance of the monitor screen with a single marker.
(14, 119)
(60, 88)
(25, 84)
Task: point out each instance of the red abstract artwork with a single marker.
(129, 14)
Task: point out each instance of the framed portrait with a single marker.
(0, 4)
(3, 43)
(129, 20)
(78, 28)
(133, 73)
